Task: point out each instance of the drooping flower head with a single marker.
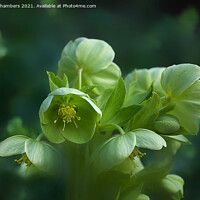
(68, 114)
(34, 153)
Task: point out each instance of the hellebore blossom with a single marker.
(127, 145)
(93, 58)
(34, 153)
(68, 114)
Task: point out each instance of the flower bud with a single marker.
(166, 124)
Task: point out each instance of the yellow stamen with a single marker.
(67, 114)
(136, 153)
(24, 159)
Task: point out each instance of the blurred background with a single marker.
(143, 34)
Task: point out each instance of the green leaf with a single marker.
(13, 145)
(125, 114)
(114, 102)
(94, 55)
(177, 78)
(43, 156)
(147, 115)
(117, 150)
(148, 139)
(56, 82)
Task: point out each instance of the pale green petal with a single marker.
(103, 79)
(186, 119)
(68, 67)
(53, 132)
(190, 99)
(66, 91)
(179, 138)
(70, 49)
(117, 150)
(44, 107)
(42, 156)
(13, 145)
(94, 55)
(148, 139)
(177, 78)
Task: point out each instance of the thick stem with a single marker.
(80, 78)
(115, 126)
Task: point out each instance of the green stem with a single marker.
(40, 137)
(80, 78)
(115, 126)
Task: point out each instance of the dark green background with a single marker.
(143, 34)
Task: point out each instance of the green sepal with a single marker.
(70, 49)
(177, 78)
(180, 138)
(148, 139)
(56, 82)
(114, 102)
(104, 79)
(117, 150)
(42, 155)
(94, 55)
(13, 145)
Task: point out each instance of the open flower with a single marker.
(95, 59)
(68, 114)
(126, 146)
(33, 153)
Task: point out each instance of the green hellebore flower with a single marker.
(117, 149)
(181, 85)
(34, 153)
(94, 58)
(69, 114)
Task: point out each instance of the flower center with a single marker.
(24, 159)
(67, 114)
(136, 153)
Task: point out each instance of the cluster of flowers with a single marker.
(91, 104)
